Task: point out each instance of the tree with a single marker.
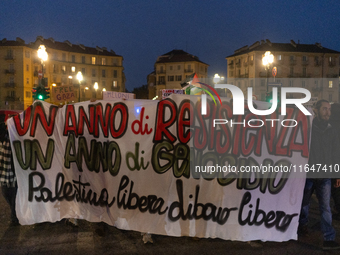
(141, 92)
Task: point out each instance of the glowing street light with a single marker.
(217, 78)
(95, 86)
(42, 54)
(267, 60)
(79, 78)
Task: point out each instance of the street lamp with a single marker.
(217, 78)
(267, 60)
(95, 86)
(42, 54)
(79, 78)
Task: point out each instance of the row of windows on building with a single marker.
(292, 59)
(178, 68)
(104, 73)
(279, 72)
(291, 83)
(84, 59)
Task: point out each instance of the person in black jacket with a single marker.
(8, 180)
(324, 151)
(334, 120)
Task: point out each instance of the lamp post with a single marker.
(95, 86)
(42, 54)
(79, 78)
(217, 78)
(267, 60)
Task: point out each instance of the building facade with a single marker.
(171, 69)
(20, 66)
(309, 66)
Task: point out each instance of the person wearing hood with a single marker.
(8, 180)
(334, 120)
(324, 151)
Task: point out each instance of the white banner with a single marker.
(112, 95)
(129, 163)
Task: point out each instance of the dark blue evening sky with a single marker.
(140, 31)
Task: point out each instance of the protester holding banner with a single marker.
(324, 150)
(8, 180)
(334, 120)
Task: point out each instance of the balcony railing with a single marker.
(332, 76)
(10, 85)
(263, 74)
(117, 88)
(292, 62)
(188, 70)
(331, 64)
(11, 98)
(317, 63)
(243, 76)
(238, 64)
(161, 71)
(161, 83)
(9, 71)
(317, 89)
(305, 62)
(294, 75)
(9, 57)
(306, 75)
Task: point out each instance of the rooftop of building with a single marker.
(266, 45)
(177, 56)
(50, 43)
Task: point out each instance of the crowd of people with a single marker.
(324, 150)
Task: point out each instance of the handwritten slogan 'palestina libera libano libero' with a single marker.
(142, 165)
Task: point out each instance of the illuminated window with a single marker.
(114, 84)
(93, 60)
(73, 68)
(103, 61)
(63, 69)
(330, 84)
(278, 57)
